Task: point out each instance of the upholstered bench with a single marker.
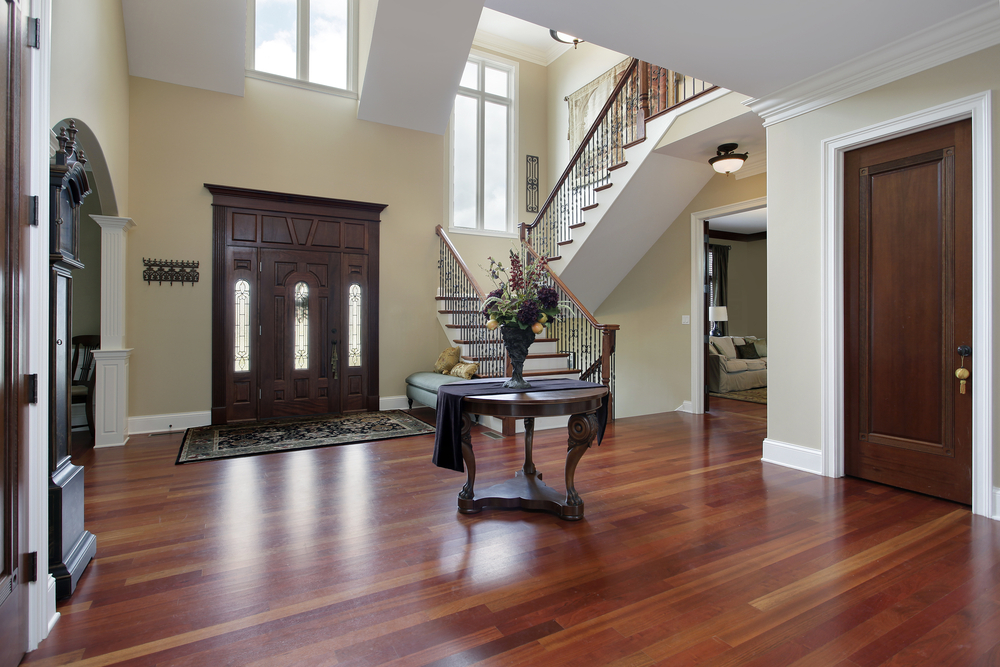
(423, 387)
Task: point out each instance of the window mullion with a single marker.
(302, 41)
(481, 155)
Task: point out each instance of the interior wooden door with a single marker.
(908, 308)
(300, 324)
(13, 449)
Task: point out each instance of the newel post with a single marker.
(643, 113)
(111, 361)
(608, 349)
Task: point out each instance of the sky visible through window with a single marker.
(275, 41)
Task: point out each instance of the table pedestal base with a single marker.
(525, 492)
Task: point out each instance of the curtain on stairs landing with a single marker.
(720, 277)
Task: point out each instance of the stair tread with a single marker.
(578, 225)
(459, 312)
(475, 342)
(589, 208)
(565, 242)
(466, 326)
(617, 166)
(548, 355)
(603, 187)
(456, 298)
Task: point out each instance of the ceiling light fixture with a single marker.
(726, 160)
(563, 38)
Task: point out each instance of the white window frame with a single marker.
(302, 52)
(511, 67)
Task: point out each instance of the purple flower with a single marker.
(528, 313)
(548, 296)
(495, 293)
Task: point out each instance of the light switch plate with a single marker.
(685, 319)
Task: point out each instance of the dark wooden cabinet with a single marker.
(71, 546)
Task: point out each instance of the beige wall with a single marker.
(653, 356)
(90, 83)
(289, 140)
(747, 287)
(794, 206)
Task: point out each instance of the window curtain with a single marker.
(720, 276)
(585, 103)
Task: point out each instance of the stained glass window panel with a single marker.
(242, 346)
(354, 325)
(301, 351)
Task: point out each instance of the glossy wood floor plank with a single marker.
(692, 552)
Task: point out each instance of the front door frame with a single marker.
(698, 332)
(979, 108)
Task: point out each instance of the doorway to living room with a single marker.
(729, 309)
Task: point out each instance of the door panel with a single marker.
(908, 306)
(354, 359)
(297, 316)
(241, 345)
(14, 167)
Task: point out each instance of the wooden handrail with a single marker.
(579, 150)
(583, 309)
(458, 258)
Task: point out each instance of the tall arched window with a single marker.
(242, 342)
(354, 325)
(301, 325)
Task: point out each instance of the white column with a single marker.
(111, 361)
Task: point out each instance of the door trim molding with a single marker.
(979, 108)
(698, 218)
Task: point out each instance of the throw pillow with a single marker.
(747, 351)
(465, 371)
(447, 360)
(761, 345)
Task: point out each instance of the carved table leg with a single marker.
(529, 434)
(582, 431)
(467, 492)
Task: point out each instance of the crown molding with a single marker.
(509, 47)
(962, 35)
(755, 164)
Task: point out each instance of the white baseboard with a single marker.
(50, 603)
(394, 403)
(793, 456)
(685, 407)
(996, 504)
(177, 421)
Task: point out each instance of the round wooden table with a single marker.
(526, 490)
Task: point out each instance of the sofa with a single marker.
(731, 366)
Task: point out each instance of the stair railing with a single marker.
(590, 344)
(643, 92)
(464, 298)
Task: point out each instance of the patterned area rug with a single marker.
(758, 395)
(206, 443)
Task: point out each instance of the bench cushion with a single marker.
(430, 381)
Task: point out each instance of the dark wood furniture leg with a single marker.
(582, 431)
(529, 434)
(469, 457)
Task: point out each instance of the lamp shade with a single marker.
(718, 314)
(727, 160)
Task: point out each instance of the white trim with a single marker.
(508, 47)
(41, 613)
(684, 407)
(962, 35)
(698, 218)
(996, 504)
(792, 456)
(979, 107)
(394, 403)
(177, 421)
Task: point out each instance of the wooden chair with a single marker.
(82, 389)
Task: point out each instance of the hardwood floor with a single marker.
(693, 552)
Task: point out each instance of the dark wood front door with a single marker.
(14, 127)
(908, 308)
(295, 294)
(300, 322)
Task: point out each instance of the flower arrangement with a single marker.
(520, 298)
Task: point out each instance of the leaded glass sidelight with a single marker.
(301, 352)
(354, 325)
(242, 346)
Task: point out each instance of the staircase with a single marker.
(570, 352)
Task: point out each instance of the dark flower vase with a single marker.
(517, 341)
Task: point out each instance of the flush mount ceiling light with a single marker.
(564, 38)
(726, 160)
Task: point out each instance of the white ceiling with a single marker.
(748, 222)
(755, 48)
(188, 42)
(518, 38)
(746, 130)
